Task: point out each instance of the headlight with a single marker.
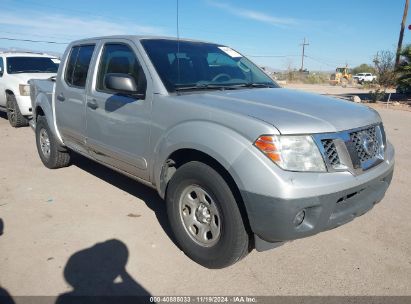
(24, 89)
(293, 153)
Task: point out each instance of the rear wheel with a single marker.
(205, 217)
(51, 153)
(16, 119)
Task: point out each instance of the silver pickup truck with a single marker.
(240, 162)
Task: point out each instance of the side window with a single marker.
(1, 67)
(68, 76)
(78, 65)
(120, 58)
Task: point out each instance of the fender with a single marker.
(43, 101)
(220, 142)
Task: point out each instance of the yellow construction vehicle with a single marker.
(342, 76)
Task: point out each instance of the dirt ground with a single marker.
(86, 229)
(329, 89)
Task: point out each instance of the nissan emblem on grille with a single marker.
(366, 143)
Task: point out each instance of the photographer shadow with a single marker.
(5, 297)
(98, 275)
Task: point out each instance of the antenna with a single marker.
(178, 42)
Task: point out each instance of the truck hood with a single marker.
(291, 111)
(23, 78)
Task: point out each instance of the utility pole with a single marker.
(404, 19)
(303, 54)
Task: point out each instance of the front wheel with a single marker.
(16, 119)
(205, 217)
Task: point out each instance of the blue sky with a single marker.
(339, 32)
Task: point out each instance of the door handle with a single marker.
(92, 104)
(60, 97)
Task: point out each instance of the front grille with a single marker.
(354, 150)
(370, 135)
(330, 152)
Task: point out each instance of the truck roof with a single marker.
(134, 37)
(25, 54)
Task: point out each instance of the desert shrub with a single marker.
(317, 78)
(385, 69)
(377, 95)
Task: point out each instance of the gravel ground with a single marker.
(86, 228)
(329, 89)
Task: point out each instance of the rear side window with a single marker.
(78, 65)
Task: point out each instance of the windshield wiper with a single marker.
(205, 87)
(256, 85)
(224, 87)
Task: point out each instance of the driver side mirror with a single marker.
(122, 83)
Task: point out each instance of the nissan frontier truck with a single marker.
(240, 162)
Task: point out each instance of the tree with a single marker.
(363, 68)
(404, 70)
(385, 68)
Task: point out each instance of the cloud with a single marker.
(66, 28)
(254, 15)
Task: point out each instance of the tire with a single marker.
(16, 119)
(51, 153)
(226, 240)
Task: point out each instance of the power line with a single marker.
(32, 34)
(35, 41)
(321, 61)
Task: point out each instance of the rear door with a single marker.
(118, 124)
(70, 95)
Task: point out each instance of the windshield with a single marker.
(32, 65)
(196, 65)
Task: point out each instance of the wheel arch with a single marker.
(43, 107)
(182, 156)
(38, 112)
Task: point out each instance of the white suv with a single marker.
(364, 77)
(16, 69)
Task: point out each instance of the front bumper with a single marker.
(24, 103)
(272, 218)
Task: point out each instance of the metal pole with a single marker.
(303, 54)
(399, 47)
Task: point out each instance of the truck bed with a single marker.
(41, 88)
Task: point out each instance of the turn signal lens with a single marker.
(267, 145)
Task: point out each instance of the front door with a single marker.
(118, 124)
